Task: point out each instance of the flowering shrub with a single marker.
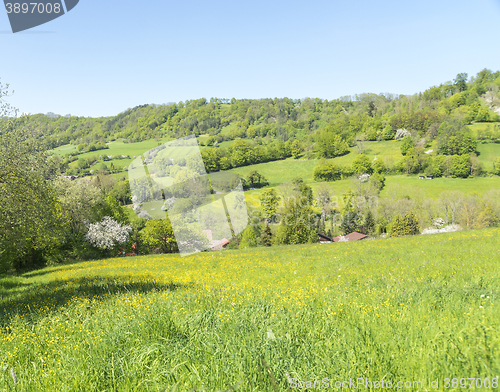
(144, 215)
(401, 133)
(107, 233)
(446, 229)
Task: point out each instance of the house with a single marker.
(219, 244)
(354, 236)
(323, 239)
(430, 176)
(215, 244)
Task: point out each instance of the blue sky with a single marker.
(106, 56)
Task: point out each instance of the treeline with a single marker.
(309, 120)
(415, 162)
(243, 153)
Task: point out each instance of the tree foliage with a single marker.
(158, 234)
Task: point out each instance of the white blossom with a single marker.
(364, 177)
(446, 229)
(107, 233)
(401, 133)
(144, 214)
(168, 204)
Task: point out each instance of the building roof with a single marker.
(324, 237)
(354, 236)
(215, 244)
(218, 244)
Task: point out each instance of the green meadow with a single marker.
(279, 172)
(262, 319)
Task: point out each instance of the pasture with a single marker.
(415, 308)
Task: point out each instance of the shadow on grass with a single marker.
(36, 301)
(10, 285)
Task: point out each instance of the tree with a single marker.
(305, 191)
(361, 164)
(256, 180)
(116, 210)
(378, 166)
(266, 236)
(369, 223)
(158, 233)
(349, 222)
(326, 171)
(410, 224)
(461, 81)
(496, 167)
(313, 237)
(248, 239)
(388, 133)
(296, 225)
(461, 166)
(406, 225)
(329, 144)
(269, 201)
(396, 226)
(296, 149)
(350, 218)
(377, 180)
(406, 144)
(81, 203)
(323, 198)
(31, 222)
(108, 233)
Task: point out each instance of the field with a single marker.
(488, 153)
(407, 309)
(278, 172)
(115, 148)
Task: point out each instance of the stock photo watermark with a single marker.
(24, 15)
(205, 210)
(364, 383)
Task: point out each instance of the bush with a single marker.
(406, 225)
(362, 164)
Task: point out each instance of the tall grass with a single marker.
(415, 308)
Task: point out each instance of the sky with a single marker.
(104, 57)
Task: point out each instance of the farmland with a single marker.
(416, 308)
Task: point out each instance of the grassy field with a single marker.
(406, 309)
(279, 172)
(115, 148)
(433, 188)
(481, 127)
(488, 153)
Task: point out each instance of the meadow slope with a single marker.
(416, 308)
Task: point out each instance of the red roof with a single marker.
(354, 236)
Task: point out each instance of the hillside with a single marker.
(398, 309)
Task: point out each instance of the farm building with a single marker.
(323, 239)
(354, 236)
(215, 244)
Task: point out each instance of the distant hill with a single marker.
(281, 118)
